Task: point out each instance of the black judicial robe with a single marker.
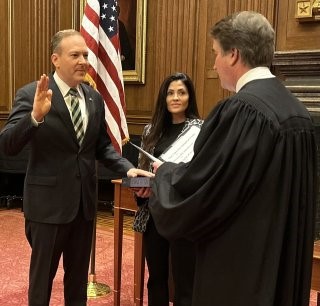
(247, 199)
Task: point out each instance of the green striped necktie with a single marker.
(76, 115)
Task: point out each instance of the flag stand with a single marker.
(95, 289)
(93, 29)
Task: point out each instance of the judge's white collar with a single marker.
(254, 74)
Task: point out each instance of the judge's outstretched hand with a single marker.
(42, 99)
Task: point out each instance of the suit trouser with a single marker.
(48, 243)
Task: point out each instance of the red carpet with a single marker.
(14, 263)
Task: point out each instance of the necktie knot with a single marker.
(73, 92)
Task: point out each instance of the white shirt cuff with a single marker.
(35, 122)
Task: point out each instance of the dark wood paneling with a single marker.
(5, 59)
(212, 91)
(300, 72)
(177, 40)
(26, 43)
(170, 47)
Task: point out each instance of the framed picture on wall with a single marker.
(132, 19)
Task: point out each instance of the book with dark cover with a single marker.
(136, 182)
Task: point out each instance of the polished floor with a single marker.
(105, 219)
(14, 259)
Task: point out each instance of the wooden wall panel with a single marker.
(292, 35)
(177, 40)
(5, 61)
(300, 72)
(265, 7)
(170, 47)
(212, 91)
(29, 41)
(39, 20)
(26, 28)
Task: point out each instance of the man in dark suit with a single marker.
(60, 184)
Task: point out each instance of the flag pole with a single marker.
(102, 35)
(95, 289)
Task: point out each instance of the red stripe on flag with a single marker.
(92, 15)
(114, 141)
(109, 101)
(113, 72)
(91, 43)
(112, 106)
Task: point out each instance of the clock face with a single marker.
(304, 9)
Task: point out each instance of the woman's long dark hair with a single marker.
(162, 118)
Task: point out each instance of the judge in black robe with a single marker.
(247, 197)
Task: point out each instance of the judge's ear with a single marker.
(234, 56)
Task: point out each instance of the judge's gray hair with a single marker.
(250, 33)
(57, 38)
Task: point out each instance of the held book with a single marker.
(137, 182)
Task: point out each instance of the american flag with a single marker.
(100, 31)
